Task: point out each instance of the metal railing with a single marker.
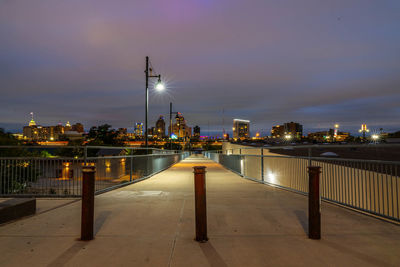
(372, 186)
(62, 176)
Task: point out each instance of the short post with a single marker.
(87, 203)
(200, 203)
(314, 208)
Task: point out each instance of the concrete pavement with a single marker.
(151, 223)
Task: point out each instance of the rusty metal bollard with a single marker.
(314, 208)
(200, 203)
(87, 203)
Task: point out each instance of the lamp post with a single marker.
(170, 124)
(159, 86)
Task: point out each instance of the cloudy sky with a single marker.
(311, 61)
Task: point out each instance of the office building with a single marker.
(139, 129)
(241, 129)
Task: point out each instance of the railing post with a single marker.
(200, 203)
(262, 164)
(130, 168)
(87, 218)
(314, 208)
(309, 157)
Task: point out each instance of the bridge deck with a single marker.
(152, 223)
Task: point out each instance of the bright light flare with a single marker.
(375, 137)
(272, 177)
(288, 137)
(160, 86)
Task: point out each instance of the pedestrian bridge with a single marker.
(151, 223)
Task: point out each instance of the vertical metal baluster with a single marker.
(12, 175)
(397, 190)
(2, 177)
(360, 184)
(391, 188)
(332, 189)
(387, 189)
(336, 177)
(18, 171)
(371, 186)
(352, 186)
(362, 170)
(378, 175)
(343, 192)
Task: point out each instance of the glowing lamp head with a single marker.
(375, 137)
(336, 125)
(159, 85)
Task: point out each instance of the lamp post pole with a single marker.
(147, 100)
(148, 75)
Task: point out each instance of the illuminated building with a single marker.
(241, 129)
(160, 128)
(139, 129)
(327, 136)
(288, 131)
(293, 129)
(32, 122)
(336, 130)
(277, 131)
(36, 132)
(180, 128)
(67, 127)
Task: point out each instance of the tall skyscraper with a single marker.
(160, 128)
(180, 128)
(241, 129)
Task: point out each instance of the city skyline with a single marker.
(311, 62)
(229, 131)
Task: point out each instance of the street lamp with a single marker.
(375, 137)
(159, 86)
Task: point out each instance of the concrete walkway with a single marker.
(151, 223)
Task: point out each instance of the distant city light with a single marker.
(288, 137)
(364, 128)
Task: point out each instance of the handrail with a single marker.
(312, 158)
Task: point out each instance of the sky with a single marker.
(268, 61)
